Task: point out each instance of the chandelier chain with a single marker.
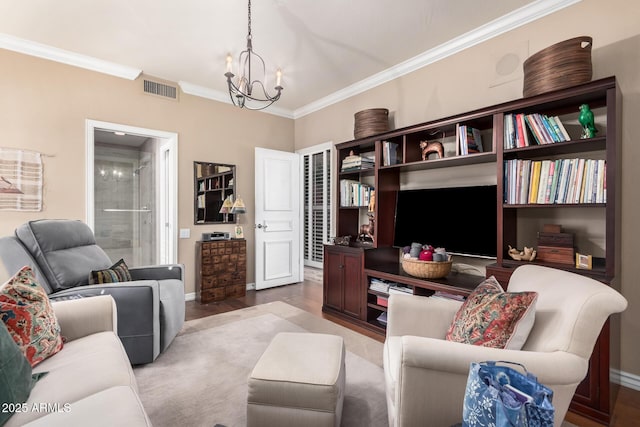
(249, 23)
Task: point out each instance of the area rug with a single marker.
(201, 379)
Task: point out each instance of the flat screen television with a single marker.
(463, 220)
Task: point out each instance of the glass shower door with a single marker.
(124, 196)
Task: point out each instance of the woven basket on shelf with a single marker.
(562, 65)
(371, 122)
(426, 269)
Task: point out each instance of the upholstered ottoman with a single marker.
(298, 381)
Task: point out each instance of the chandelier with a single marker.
(244, 90)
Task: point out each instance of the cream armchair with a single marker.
(426, 375)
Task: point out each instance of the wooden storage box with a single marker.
(556, 254)
(555, 239)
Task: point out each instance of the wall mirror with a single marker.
(214, 192)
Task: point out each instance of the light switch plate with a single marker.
(185, 233)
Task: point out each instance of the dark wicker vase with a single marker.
(562, 65)
(371, 122)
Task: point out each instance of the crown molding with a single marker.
(505, 23)
(66, 57)
(216, 95)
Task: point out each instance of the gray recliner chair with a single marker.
(151, 308)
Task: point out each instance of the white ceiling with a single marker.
(327, 50)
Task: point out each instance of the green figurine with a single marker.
(586, 120)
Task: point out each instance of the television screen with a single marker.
(463, 220)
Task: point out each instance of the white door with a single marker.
(278, 218)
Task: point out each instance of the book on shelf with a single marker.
(554, 182)
(400, 289)
(523, 193)
(563, 128)
(469, 140)
(382, 301)
(379, 285)
(354, 162)
(389, 153)
(521, 127)
(523, 130)
(560, 181)
(354, 193)
(382, 318)
(538, 137)
(507, 132)
(447, 295)
(571, 184)
(534, 181)
(544, 178)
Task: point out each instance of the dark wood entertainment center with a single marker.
(348, 270)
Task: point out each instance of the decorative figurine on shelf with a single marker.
(586, 120)
(372, 202)
(366, 230)
(528, 254)
(342, 240)
(429, 147)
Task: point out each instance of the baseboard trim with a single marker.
(192, 295)
(625, 379)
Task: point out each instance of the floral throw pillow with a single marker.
(26, 311)
(118, 272)
(491, 317)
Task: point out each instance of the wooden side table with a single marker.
(221, 269)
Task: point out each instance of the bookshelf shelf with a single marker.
(554, 205)
(558, 148)
(213, 183)
(376, 307)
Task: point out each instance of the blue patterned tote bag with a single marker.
(501, 396)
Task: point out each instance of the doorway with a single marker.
(131, 192)
(316, 173)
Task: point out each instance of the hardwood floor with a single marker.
(308, 296)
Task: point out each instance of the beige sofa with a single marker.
(90, 381)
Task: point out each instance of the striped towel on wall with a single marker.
(20, 180)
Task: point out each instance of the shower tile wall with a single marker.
(124, 203)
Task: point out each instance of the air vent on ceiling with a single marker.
(158, 88)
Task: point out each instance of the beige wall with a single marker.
(44, 105)
(469, 80)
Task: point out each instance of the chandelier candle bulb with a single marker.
(229, 61)
(278, 77)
